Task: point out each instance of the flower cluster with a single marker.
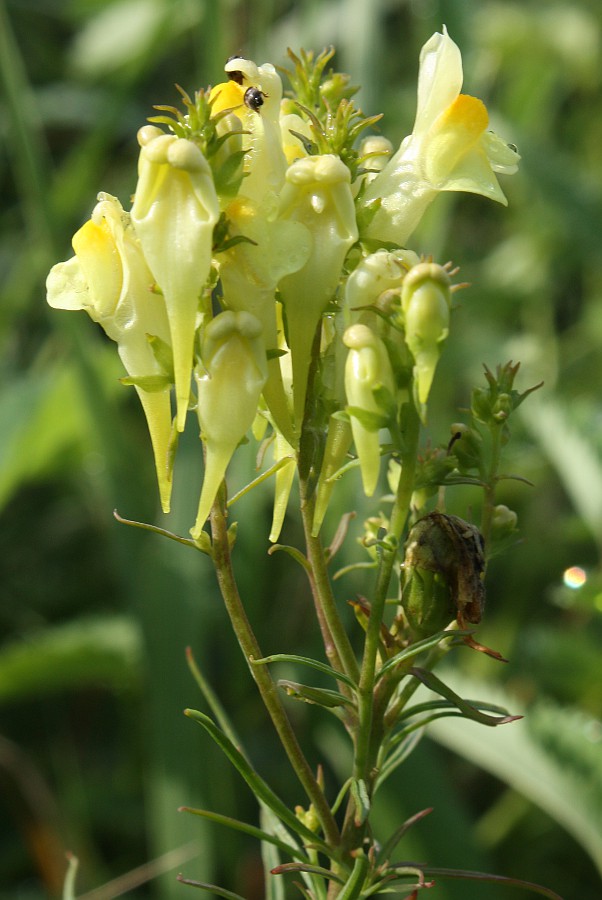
(261, 274)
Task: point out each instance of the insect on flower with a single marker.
(236, 75)
(253, 98)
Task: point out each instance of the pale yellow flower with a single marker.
(450, 148)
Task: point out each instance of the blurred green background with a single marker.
(95, 755)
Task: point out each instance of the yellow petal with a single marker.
(454, 134)
(227, 95)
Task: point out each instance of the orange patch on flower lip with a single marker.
(467, 112)
(454, 134)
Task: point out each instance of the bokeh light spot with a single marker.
(574, 577)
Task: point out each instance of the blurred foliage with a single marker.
(95, 755)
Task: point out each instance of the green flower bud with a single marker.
(367, 371)
(228, 387)
(467, 447)
(375, 152)
(377, 273)
(502, 408)
(503, 522)
(426, 302)
(175, 210)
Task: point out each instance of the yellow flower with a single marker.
(229, 384)
(174, 212)
(449, 149)
(109, 278)
(317, 194)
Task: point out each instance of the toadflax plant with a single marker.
(261, 283)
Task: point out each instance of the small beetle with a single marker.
(253, 98)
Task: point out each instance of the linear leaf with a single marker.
(467, 709)
(259, 787)
(251, 830)
(306, 661)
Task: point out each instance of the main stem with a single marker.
(267, 689)
(370, 730)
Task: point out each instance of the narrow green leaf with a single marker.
(213, 888)
(246, 828)
(162, 353)
(419, 647)
(260, 788)
(292, 551)
(370, 420)
(212, 701)
(306, 661)
(354, 884)
(259, 480)
(203, 544)
(468, 710)
(287, 868)
(465, 875)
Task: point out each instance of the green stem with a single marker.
(370, 730)
(491, 483)
(267, 689)
(337, 644)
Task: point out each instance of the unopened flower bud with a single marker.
(503, 522)
(367, 372)
(502, 408)
(228, 386)
(376, 151)
(466, 446)
(426, 301)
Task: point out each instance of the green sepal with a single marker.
(275, 353)
(371, 421)
(152, 384)
(162, 352)
(316, 696)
